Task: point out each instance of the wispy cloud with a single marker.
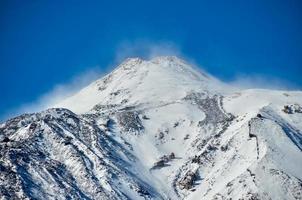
(58, 93)
(146, 49)
(248, 81)
(138, 48)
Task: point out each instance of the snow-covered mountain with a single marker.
(157, 129)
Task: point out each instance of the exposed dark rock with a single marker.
(224, 148)
(104, 108)
(176, 124)
(252, 135)
(186, 137)
(212, 108)
(212, 148)
(229, 184)
(5, 139)
(161, 135)
(291, 109)
(129, 121)
(159, 164)
(115, 93)
(252, 196)
(205, 157)
(25, 162)
(163, 161)
(67, 140)
(171, 156)
(145, 117)
(32, 126)
(259, 115)
(188, 180)
(124, 101)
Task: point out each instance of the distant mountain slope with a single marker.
(157, 129)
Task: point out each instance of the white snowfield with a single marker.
(157, 129)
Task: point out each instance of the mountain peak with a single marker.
(172, 59)
(156, 129)
(163, 78)
(128, 63)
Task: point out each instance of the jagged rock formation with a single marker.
(114, 140)
(291, 109)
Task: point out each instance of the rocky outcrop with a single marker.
(129, 121)
(163, 161)
(188, 180)
(57, 154)
(291, 109)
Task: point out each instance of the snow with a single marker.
(146, 81)
(212, 129)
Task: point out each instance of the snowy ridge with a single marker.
(157, 129)
(137, 81)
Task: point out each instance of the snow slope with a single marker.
(157, 129)
(137, 81)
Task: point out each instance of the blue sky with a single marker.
(46, 44)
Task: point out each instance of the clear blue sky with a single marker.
(44, 43)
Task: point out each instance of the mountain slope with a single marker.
(137, 81)
(157, 129)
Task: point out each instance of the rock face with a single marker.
(291, 109)
(163, 161)
(188, 180)
(201, 138)
(65, 156)
(129, 121)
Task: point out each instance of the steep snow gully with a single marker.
(157, 129)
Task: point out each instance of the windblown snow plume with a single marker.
(156, 129)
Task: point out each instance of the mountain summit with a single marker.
(138, 81)
(157, 129)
